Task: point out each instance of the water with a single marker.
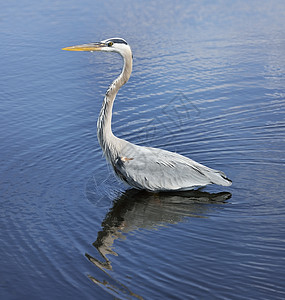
(208, 82)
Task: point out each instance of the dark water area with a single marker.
(208, 82)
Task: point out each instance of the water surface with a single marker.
(208, 82)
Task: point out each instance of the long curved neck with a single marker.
(105, 135)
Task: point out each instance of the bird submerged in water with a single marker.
(146, 168)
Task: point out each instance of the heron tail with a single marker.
(220, 178)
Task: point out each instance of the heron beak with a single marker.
(86, 47)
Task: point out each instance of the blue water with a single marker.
(208, 82)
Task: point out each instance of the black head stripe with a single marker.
(119, 41)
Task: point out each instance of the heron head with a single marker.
(118, 45)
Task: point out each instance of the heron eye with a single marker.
(110, 44)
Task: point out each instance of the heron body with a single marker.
(141, 167)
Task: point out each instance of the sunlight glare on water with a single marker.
(208, 82)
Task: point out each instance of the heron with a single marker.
(143, 168)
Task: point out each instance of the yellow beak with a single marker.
(86, 47)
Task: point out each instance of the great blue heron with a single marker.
(141, 167)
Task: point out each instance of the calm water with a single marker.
(209, 83)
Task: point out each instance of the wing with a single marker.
(160, 170)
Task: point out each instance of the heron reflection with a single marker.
(142, 210)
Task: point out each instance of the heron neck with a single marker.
(105, 135)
